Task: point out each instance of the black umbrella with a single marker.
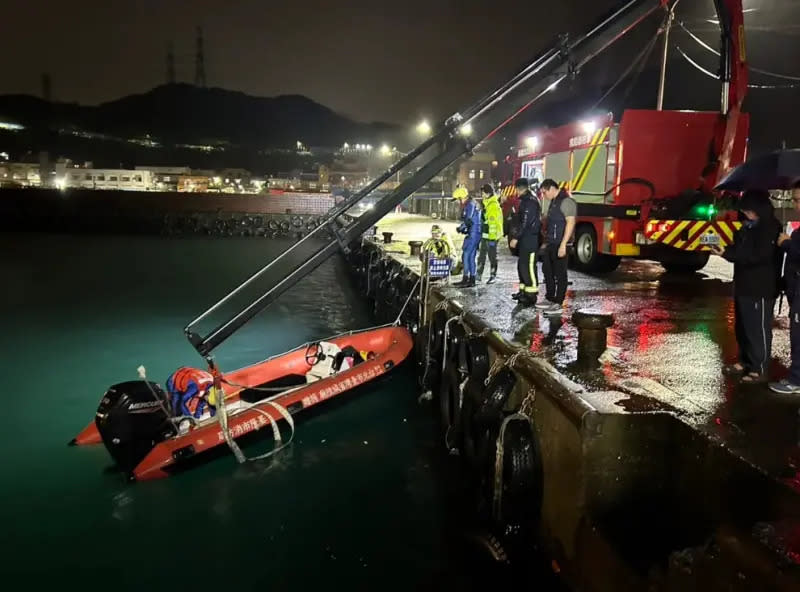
(777, 170)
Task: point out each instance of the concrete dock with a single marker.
(652, 454)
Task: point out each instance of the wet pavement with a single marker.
(670, 339)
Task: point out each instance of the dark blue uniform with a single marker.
(553, 266)
(526, 229)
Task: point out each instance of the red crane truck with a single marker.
(644, 184)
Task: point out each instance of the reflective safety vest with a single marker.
(492, 218)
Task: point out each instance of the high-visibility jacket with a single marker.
(492, 218)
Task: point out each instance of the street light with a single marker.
(385, 150)
(531, 141)
(424, 127)
(466, 129)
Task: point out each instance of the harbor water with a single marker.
(359, 500)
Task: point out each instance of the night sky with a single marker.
(373, 60)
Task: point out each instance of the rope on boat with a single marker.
(222, 414)
(403, 309)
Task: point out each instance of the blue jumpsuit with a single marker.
(471, 226)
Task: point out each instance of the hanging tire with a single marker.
(450, 406)
(522, 483)
(438, 321)
(473, 436)
(476, 357)
(273, 224)
(493, 399)
(297, 221)
(587, 256)
(285, 226)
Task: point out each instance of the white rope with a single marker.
(222, 418)
(446, 335)
(402, 310)
(453, 450)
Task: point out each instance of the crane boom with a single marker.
(485, 118)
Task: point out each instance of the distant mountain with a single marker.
(186, 114)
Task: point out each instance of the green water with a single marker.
(356, 501)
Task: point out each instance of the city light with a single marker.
(424, 127)
(346, 146)
(4, 155)
(11, 126)
(532, 141)
(466, 129)
(61, 183)
(385, 150)
(368, 147)
(589, 127)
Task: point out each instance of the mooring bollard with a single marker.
(416, 248)
(387, 237)
(592, 326)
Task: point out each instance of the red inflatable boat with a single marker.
(135, 422)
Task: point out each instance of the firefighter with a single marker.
(471, 227)
(492, 230)
(525, 237)
(791, 282)
(560, 226)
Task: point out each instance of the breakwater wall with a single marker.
(161, 213)
(620, 500)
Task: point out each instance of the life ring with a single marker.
(273, 224)
(450, 398)
(297, 221)
(285, 226)
(521, 489)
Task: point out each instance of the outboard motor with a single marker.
(131, 421)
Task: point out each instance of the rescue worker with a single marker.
(471, 227)
(189, 390)
(492, 231)
(440, 246)
(756, 273)
(790, 245)
(559, 229)
(525, 237)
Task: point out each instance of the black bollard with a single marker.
(387, 237)
(416, 248)
(592, 326)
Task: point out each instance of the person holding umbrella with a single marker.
(756, 274)
(790, 245)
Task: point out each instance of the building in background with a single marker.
(476, 171)
(69, 176)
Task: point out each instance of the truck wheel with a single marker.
(586, 256)
(686, 263)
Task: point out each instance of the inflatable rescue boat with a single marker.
(146, 439)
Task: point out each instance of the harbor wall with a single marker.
(620, 500)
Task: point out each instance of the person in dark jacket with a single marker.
(790, 245)
(756, 274)
(560, 226)
(525, 237)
